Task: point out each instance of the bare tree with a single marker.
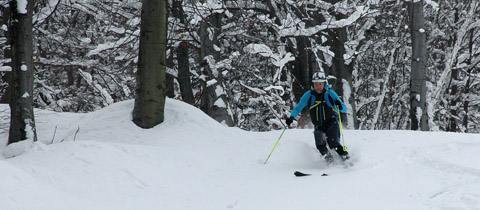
(183, 57)
(213, 99)
(343, 84)
(22, 121)
(151, 88)
(418, 88)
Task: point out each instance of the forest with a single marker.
(397, 64)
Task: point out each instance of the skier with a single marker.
(323, 103)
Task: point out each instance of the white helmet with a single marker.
(319, 77)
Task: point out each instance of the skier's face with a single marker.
(318, 86)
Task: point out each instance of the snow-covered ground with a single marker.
(192, 162)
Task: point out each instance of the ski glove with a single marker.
(289, 120)
(338, 103)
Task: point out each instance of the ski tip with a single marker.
(298, 173)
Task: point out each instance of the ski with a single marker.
(299, 174)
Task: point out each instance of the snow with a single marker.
(211, 33)
(192, 162)
(279, 59)
(134, 21)
(86, 40)
(419, 113)
(254, 89)
(347, 91)
(324, 39)
(432, 3)
(276, 87)
(220, 103)
(118, 30)
(43, 14)
(216, 48)
(22, 6)
(103, 92)
(4, 27)
(421, 30)
(5, 68)
(17, 148)
(211, 82)
(101, 47)
(294, 27)
(195, 19)
(219, 91)
(261, 49)
(23, 67)
(26, 95)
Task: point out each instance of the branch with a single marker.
(48, 16)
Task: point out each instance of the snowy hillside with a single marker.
(192, 162)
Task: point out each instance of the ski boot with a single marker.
(343, 154)
(328, 157)
(325, 154)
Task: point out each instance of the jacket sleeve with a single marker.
(335, 97)
(303, 102)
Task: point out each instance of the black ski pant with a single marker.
(327, 133)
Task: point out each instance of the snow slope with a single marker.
(192, 162)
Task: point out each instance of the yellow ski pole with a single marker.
(275, 145)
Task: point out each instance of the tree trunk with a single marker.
(469, 80)
(22, 121)
(170, 85)
(213, 100)
(170, 79)
(150, 77)
(452, 120)
(418, 88)
(4, 98)
(344, 84)
(184, 73)
(183, 58)
(302, 69)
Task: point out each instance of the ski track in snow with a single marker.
(192, 162)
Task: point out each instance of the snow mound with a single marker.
(114, 123)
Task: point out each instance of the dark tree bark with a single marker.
(211, 103)
(343, 72)
(184, 73)
(183, 58)
(151, 87)
(170, 85)
(170, 79)
(418, 88)
(22, 121)
(301, 69)
(5, 10)
(469, 81)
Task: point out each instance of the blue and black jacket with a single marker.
(322, 106)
